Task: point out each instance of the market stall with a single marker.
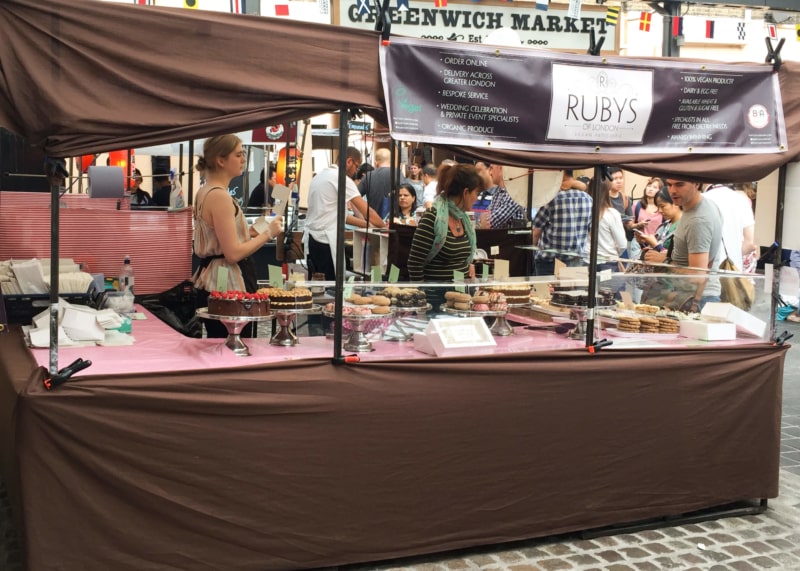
(297, 463)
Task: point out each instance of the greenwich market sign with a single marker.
(474, 22)
(529, 99)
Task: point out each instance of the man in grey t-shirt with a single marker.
(697, 238)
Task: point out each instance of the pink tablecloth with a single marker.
(159, 348)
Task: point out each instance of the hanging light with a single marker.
(293, 169)
(118, 159)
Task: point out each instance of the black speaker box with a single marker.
(21, 165)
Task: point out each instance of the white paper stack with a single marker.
(80, 323)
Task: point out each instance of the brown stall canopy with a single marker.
(81, 76)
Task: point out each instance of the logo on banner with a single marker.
(758, 116)
(275, 132)
(609, 105)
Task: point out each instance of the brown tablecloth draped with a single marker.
(303, 463)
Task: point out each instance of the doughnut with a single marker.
(463, 306)
(381, 300)
(381, 309)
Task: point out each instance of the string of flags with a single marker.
(612, 15)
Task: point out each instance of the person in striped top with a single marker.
(444, 241)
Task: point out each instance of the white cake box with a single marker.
(745, 323)
(708, 330)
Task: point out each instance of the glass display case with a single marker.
(647, 305)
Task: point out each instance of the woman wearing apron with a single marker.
(222, 240)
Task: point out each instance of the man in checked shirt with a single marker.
(562, 227)
(504, 209)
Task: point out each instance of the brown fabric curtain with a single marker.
(303, 463)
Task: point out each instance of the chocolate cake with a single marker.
(238, 304)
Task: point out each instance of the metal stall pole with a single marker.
(56, 172)
(190, 194)
(344, 115)
(590, 302)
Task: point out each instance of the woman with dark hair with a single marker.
(656, 247)
(406, 204)
(646, 216)
(611, 240)
(139, 197)
(445, 238)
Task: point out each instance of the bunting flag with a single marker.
(281, 9)
(644, 21)
(740, 28)
(542, 5)
(143, 2)
(677, 25)
(612, 15)
(772, 31)
(324, 7)
(363, 7)
(797, 32)
(402, 5)
(709, 28)
(191, 4)
(440, 3)
(236, 7)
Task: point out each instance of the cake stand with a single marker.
(578, 314)
(500, 326)
(234, 326)
(284, 318)
(407, 328)
(360, 326)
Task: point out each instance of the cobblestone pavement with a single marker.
(770, 540)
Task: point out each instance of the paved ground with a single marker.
(766, 541)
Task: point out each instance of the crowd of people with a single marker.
(675, 222)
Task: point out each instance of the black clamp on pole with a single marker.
(594, 47)
(774, 55)
(346, 359)
(597, 345)
(782, 338)
(383, 23)
(65, 374)
(606, 172)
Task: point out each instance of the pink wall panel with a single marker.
(94, 232)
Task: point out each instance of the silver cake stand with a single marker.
(499, 327)
(403, 314)
(360, 326)
(284, 318)
(234, 326)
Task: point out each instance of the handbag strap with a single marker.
(721, 233)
